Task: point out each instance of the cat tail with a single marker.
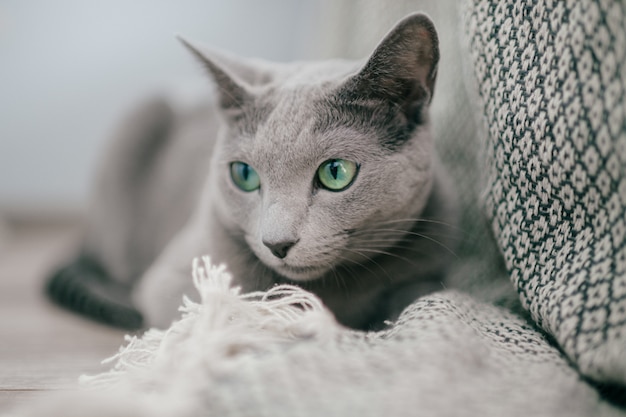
(83, 286)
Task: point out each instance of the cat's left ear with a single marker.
(403, 68)
(233, 90)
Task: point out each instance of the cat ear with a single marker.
(403, 68)
(233, 91)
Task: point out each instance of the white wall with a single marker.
(70, 68)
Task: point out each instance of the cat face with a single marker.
(317, 160)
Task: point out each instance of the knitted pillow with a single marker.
(551, 77)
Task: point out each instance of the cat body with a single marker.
(319, 174)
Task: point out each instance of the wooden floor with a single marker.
(42, 348)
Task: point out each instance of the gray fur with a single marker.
(361, 250)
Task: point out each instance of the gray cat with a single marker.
(321, 174)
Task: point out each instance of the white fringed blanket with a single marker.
(281, 353)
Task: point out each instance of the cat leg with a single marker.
(160, 291)
(85, 286)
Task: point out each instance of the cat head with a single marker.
(316, 159)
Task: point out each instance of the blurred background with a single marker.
(69, 69)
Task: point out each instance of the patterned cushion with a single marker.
(551, 77)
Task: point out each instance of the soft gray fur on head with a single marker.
(360, 248)
(287, 127)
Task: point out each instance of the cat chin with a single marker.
(300, 274)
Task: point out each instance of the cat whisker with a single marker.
(383, 245)
(449, 232)
(386, 253)
(417, 234)
(341, 284)
(333, 249)
(367, 259)
(420, 220)
(344, 263)
(389, 243)
(425, 225)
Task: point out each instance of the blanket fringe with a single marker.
(225, 326)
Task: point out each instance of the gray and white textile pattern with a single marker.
(551, 76)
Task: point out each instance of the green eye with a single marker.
(337, 174)
(244, 176)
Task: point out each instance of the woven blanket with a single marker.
(281, 353)
(552, 77)
(534, 320)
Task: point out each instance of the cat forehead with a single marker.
(302, 115)
(291, 97)
(319, 110)
(288, 137)
(297, 124)
(304, 126)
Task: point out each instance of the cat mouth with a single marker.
(288, 271)
(300, 273)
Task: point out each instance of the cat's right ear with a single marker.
(403, 68)
(233, 92)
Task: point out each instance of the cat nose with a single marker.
(280, 249)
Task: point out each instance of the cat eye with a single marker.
(337, 174)
(244, 176)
